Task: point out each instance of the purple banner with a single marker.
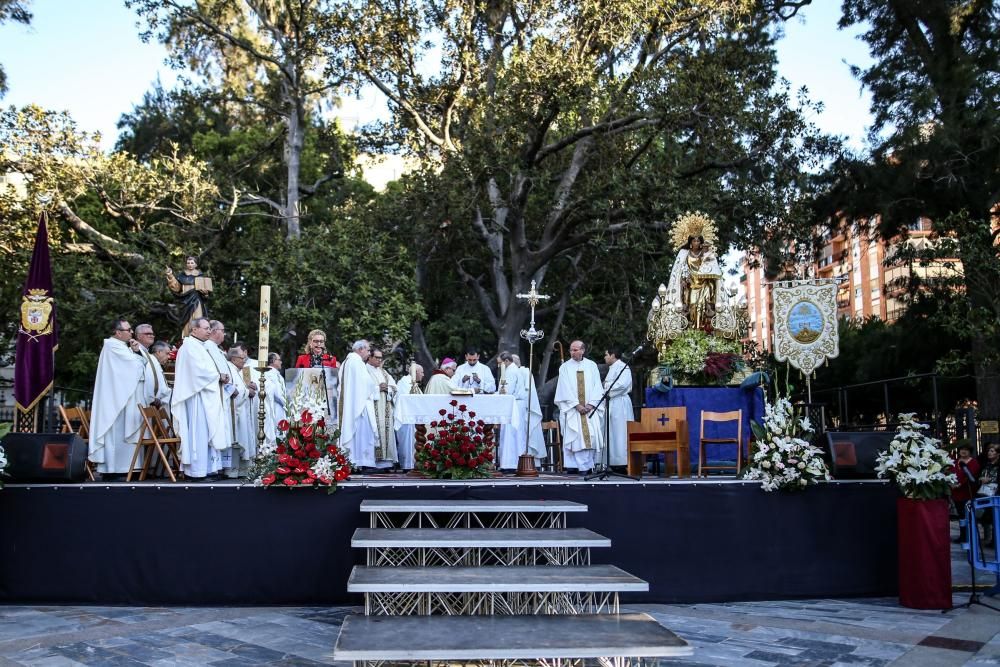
(34, 365)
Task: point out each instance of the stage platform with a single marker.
(226, 544)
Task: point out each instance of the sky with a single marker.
(86, 57)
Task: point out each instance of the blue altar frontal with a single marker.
(712, 399)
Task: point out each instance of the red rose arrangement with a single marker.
(306, 454)
(458, 446)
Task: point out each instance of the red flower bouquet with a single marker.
(305, 455)
(458, 446)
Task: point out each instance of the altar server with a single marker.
(618, 385)
(578, 393)
(474, 375)
(406, 433)
(358, 391)
(527, 405)
(118, 391)
(197, 405)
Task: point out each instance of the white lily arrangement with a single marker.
(916, 463)
(3, 465)
(780, 458)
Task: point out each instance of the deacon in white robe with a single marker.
(115, 419)
(440, 382)
(406, 434)
(578, 393)
(529, 404)
(197, 404)
(358, 391)
(618, 385)
(474, 375)
(385, 401)
(235, 460)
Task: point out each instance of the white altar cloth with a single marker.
(425, 408)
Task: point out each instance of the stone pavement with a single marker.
(868, 631)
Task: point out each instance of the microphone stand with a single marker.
(604, 471)
(971, 526)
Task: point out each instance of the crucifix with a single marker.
(526, 462)
(663, 419)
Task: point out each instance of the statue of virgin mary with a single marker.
(694, 288)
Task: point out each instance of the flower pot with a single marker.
(924, 553)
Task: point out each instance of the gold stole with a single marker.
(156, 378)
(581, 396)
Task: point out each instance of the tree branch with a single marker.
(111, 246)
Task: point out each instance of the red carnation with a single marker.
(306, 417)
(428, 465)
(472, 414)
(341, 460)
(447, 463)
(461, 407)
(321, 423)
(453, 402)
(283, 425)
(443, 412)
(341, 475)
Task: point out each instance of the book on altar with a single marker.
(462, 392)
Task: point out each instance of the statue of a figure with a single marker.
(192, 288)
(694, 285)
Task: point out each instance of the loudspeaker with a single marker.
(853, 453)
(45, 457)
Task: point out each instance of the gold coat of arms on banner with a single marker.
(805, 323)
(36, 313)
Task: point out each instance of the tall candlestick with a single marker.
(503, 371)
(265, 325)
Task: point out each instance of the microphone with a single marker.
(637, 350)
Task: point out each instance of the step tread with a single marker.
(512, 579)
(484, 506)
(477, 537)
(505, 637)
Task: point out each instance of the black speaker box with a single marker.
(45, 457)
(853, 453)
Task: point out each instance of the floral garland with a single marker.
(780, 458)
(696, 356)
(916, 463)
(305, 454)
(457, 447)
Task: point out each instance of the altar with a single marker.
(425, 408)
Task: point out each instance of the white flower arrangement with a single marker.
(3, 465)
(780, 458)
(916, 463)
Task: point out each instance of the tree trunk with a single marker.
(293, 162)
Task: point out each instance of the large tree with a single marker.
(556, 130)
(935, 149)
(263, 55)
(12, 10)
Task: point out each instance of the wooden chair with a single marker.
(77, 420)
(660, 430)
(553, 446)
(156, 442)
(717, 417)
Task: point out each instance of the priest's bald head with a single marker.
(577, 349)
(218, 332)
(361, 348)
(200, 328)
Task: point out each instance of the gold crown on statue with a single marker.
(691, 224)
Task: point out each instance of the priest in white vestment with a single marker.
(197, 405)
(511, 444)
(578, 393)
(618, 385)
(214, 346)
(276, 397)
(440, 382)
(406, 434)
(242, 407)
(474, 375)
(155, 390)
(529, 405)
(358, 392)
(115, 420)
(385, 401)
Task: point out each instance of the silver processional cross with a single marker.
(526, 463)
